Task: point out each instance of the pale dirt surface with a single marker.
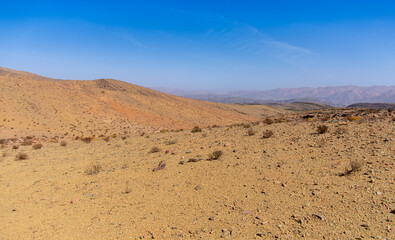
(287, 186)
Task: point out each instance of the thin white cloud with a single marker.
(133, 41)
(250, 40)
(286, 46)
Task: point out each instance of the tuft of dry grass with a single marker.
(215, 155)
(321, 129)
(353, 118)
(154, 150)
(93, 169)
(86, 139)
(341, 130)
(267, 134)
(21, 156)
(354, 166)
(251, 132)
(37, 146)
(268, 121)
(170, 142)
(127, 188)
(63, 143)
(196, 129)
(27, 143)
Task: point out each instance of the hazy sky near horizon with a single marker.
(203, 44)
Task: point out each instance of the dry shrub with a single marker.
(353, 118)
(4, 154)
(127, 188)
(37, 146)
(2, 141)
(106, 139)
(86, 139)
(341, 130)
(251, 132)
(154, 150)
(21, 156)
(321, 129)
(170, 142)
(268, 121)
(93, 169)
(196, 129)
(215, 155)
(246, 125)
(63, 143)
(354, 166)
(324, 119)
(267, 134)
(27, 143)
(15, 147)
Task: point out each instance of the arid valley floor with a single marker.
(294, 184)
(105, 159)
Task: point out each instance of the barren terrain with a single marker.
(297, 183)
(32, 104)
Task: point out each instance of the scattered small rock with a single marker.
(160, 166)
(318, 215)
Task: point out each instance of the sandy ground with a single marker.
(287, 186)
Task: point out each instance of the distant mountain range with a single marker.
(340, 96)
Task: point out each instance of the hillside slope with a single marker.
(50, 106)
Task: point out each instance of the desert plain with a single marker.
(112, 168)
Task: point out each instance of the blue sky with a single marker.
(203, 44)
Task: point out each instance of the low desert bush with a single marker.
(251, 132)
(154, 150)
(341, 130)
(268, 121)
(170, 142)
(246, 125)
(354, 166)
(353, 118)
(86, 139)
(15, 147)
(63, 143)
(37, 146)
(21, 156)
(2, 141)
(215, 155)
(27, 143)
(321, 129)
(196, 129)
(267, 134)
(93, 169)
